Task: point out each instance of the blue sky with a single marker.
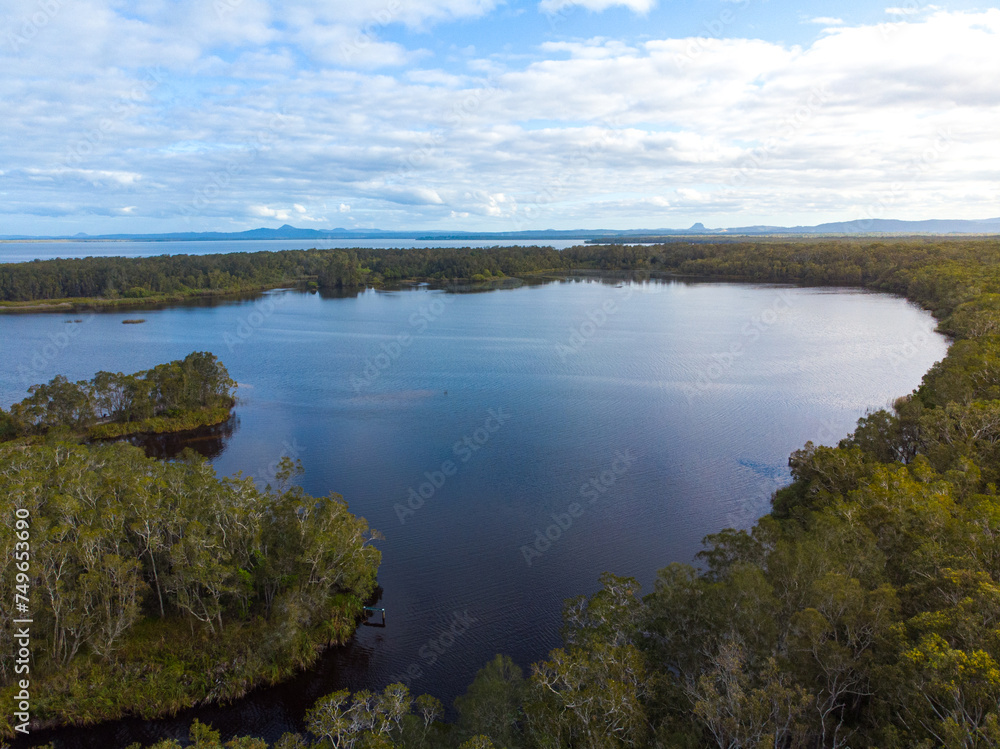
(159, 115)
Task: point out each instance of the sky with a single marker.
(484, 115)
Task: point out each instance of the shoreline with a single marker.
(101, 304)
(175, 425)
(267, 677)
(928, 302)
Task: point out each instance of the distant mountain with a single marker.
(860, 226)
(892, 226)
(839, 228)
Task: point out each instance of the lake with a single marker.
(23, 252)
(510, 445)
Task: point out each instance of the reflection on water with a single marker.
(266, 712)
(209, 442)
(375, 392)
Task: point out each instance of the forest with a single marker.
(193, 392)
(916, 267)
(156, 586)
(131, 281)
(864, 610)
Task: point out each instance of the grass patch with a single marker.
(161, 424)
(163, 667)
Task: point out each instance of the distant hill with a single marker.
(860, 226)
(893, 226)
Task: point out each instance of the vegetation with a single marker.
(193, 392)
(157, 586)
(927, 269)
(116, 282)
(863, 611)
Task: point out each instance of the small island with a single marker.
(191, 393)
(159, 586)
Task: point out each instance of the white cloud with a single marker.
(96, 177)
(827, 21)
(595, 131)
(263, 211)
(596, 6)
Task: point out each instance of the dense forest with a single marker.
(193, 392)
(863, 611)
(920, 268)
(118, 281)
(155, 585)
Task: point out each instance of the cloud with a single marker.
(96, 177)
(263, 211)
(827, 21)
(596, 6)
(297, 211)
(416, 195)
(268, 125)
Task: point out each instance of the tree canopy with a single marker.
(864, 610)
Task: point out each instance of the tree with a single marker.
(961, 690)
(740, 715)
(493, 703)
(330, 718)
(831, 646)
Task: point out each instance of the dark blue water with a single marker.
(625, 420)
(22, 252)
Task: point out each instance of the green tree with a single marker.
(492, 705)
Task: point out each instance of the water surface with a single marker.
(660, 411)
(23, 252)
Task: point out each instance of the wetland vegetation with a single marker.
(864, 610)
